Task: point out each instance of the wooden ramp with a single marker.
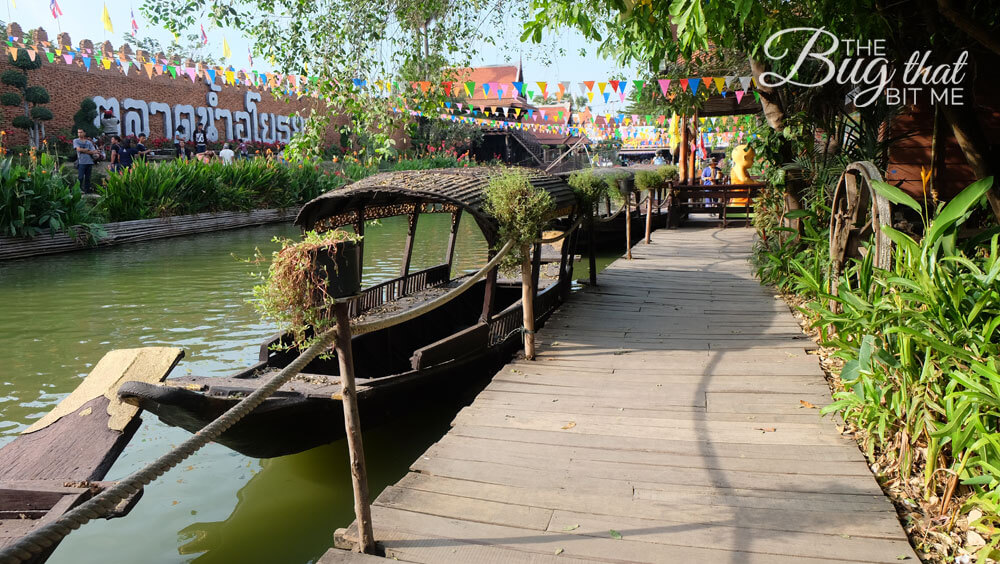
(664, 421)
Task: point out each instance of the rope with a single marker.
(610, 217)
(562, 236)
(50, 534)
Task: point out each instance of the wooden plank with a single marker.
(674, 404)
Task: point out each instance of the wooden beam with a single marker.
(352, 424)
(490, 295)
(410, 233)
(359, 228)
(568, 151)
(452, 238)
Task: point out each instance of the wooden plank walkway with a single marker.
(662, 422)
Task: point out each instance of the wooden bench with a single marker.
(722, 199)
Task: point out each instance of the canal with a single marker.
(61, 314)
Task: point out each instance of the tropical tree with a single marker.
(31, 98)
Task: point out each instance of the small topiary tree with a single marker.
(31, 98)
(522, 210)
(85, 117)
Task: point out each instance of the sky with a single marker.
(82, 20)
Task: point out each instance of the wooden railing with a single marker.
(723, 199)
(512, 318)
(396, 288)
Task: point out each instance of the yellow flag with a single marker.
(106, 18)
(225, 48)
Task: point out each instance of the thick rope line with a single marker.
(44, 537)
(562, 236)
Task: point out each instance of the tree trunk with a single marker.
(770, 99)
(964, 124)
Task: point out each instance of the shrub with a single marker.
(36, 95)
(37, 199)
(521, 209)
(22, 122)
(14, 78)
(39, 113)
(669, 172)
(588, 187)
(294, 291)
(648, 180)
(84, 119)
(10, 99)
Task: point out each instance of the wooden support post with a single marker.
(693, 167)
(359, 228)
(449, 257)
(410, 232)
(683, 152)
(488, 297)
(591, 249)
(649, 214)
(628, 227)
(352, 424)
(527, 303)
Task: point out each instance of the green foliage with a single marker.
(39, 113)
(521, 208)
(36, 95)
(648, 180)
(84, 118)
(35, 199)
(149, 190)
(920, 344)
(22, 122)
(669, 172)
(14, 78)
(24, 62)
(294, 291)
(10, 99)
(589, 188)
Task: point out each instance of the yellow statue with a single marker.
(742, 161)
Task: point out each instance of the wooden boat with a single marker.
(440, 353)
(58, 462)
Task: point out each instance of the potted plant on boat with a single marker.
(305, 279)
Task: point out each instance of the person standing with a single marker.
(85, 153)
(244, 151)
(126, 155)
(116, 153)
(140, 149)
(180, 137)
(200, 139)
(226, 154)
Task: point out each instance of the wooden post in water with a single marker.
(352, 424)
(528, 303)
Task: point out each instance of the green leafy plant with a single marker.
(669, 172)
(520, 208)
(294, 291)
(30, 98)
(85, 117)
(648, 180)
(36, 198)
(589, 189)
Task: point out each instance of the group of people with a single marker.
(88, 153)
(197, 147)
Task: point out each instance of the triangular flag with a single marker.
(542, 86)
(664, 84)
(149, 70)
(193, 73)
(470, 87)
(86, 63)
(226, 52)
(756, 96)
(684, 84)
(590, 96)
(739, 95)
(694, 83)
(172, 70)
(519, 86)
(106, 63)
(211, 74)
(607, 95)
(719, 83)
(486, 89)
(614, 85)
(637, 85)
(590, 84)
(126, 66)
(601, 86)
(32, 54)
(745, 82)
(563, 87)
(68, 58)
(13, 52)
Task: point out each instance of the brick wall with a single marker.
(69, 84)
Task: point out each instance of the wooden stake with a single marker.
(649, 214)
(591, 250)
(628, 226)
(352, 423)
(527, 303)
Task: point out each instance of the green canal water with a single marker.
(59, 315)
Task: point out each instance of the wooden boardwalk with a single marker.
(662, 422)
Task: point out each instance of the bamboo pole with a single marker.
(352, 424)
(527, 303)
(682, 158)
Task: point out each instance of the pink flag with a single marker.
(664, 84)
